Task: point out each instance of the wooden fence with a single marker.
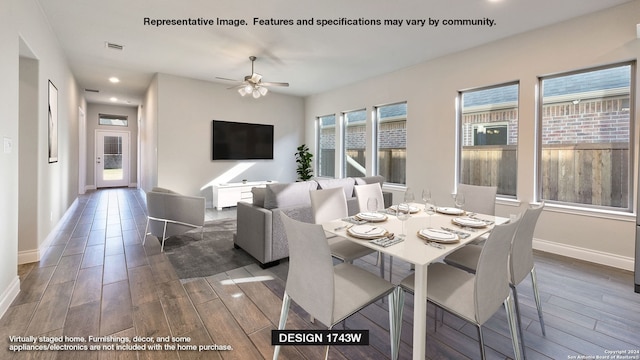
(591, 174)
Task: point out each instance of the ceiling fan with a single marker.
(253, 83)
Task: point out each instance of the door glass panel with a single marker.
(113, 158)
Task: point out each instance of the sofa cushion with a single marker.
(288, 194)
(346, 184)
(258, 196)
(370, 180)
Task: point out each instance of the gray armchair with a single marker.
(169, 213)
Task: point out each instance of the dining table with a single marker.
(416, 250)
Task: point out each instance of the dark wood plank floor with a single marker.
(98, 279)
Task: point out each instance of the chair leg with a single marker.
(146, 231)
(326, 352)
(536, 294)
(481, 342)
(164, 236)
(518, 317)
(396, 304)
(508, 304)
(284, 313)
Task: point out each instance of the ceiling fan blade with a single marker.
(237, 86)
(274, 84)
(226, 79)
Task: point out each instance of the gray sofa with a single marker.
(260, 231)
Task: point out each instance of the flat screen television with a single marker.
(241, 141)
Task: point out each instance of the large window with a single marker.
(355, 124)
(585, 137)
(326, 146)
(391, 142)
(489, 138)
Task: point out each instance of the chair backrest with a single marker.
(479, 199)
(365, 192)
(328, 204)
(492, 279)
(310, 281)
(521, 259)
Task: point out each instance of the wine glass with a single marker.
(426, 197)
(403, 214)
(372, 205)
(459, 200)
(430, 209)
(408, 196)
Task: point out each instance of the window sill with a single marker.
(595, 213)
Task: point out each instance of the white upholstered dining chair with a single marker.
(476, 297)
(331, 293)
(331, 204)
(520, 261)
(479, 199)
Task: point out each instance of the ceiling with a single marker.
(312, 58)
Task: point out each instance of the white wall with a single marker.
(431, 88)
(148, 129)
(57, 183)
(9, 283)
(93, 111)
(186, 108)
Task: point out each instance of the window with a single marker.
(489, 138)
(326, 146)
(391, 142)
(113, 120)
(585, 137)
(355, 123)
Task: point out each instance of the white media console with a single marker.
(229, 194)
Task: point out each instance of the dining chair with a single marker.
(520, 261)
(363, 194)
(479, 199)
(331, 293)
(476, 297)
(331, 204)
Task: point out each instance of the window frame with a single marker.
(631, 169)
(318, 143)
(343, 153)
(490, 107)
(124, 118)
(375, 146)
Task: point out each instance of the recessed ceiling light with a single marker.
(114, 79)
(114, 99)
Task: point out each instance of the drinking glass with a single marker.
(459, 200)
(372, 205)
(403, 214)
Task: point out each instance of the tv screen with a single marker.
(241, 141)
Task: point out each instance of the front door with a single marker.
(112, 158)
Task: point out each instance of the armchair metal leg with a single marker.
(146, 231)
(396, 303)
(284, 313)
(164, 236)
(518, 317)
(536, 294)
(481, 341)
(508, 304)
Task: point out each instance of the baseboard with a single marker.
(594, 256)
(133, 185)
(34, 255)
(9, 295)
(90, 187)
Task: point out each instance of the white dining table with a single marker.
(416, 251)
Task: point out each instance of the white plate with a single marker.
(366, 231)
(371, 216)
(450, 211)
(412, 209)
(437, 235)
(465, 221)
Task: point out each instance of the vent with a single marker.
(113, 46)
(92, 90)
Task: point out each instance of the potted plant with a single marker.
(303, 158)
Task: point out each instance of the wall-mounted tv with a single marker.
(241, 141)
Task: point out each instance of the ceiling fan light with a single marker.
(263, 90)
(256, 94)
(248, 88)
(242, 91)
